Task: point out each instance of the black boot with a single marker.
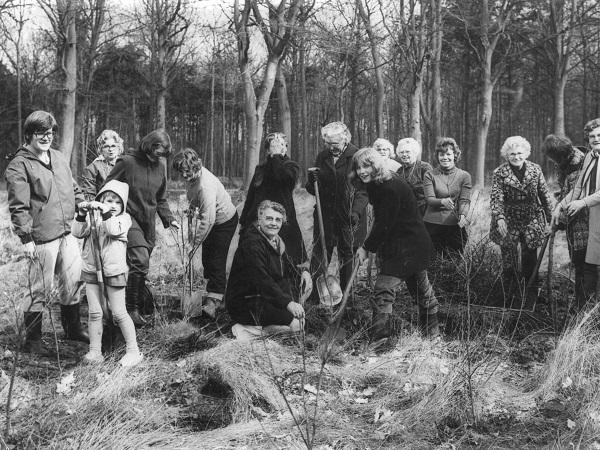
(381, 327)
(33, 333)
(134, 300)
(71, 322)
(428, 323)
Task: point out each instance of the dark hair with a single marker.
(265, 204)
(443, 145)
(187, 159)
(558, 148)
(39, 121)
(591, 125)
(149, 142)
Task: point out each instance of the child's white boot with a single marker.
(131, 359)
(93, 356)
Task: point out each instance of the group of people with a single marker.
(419, 212)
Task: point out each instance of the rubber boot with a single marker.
(33, 333)
(71, 322)
(133, 298)
(428, 323)
(381, 327)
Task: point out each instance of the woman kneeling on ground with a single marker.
(402, 243)
(258, 295)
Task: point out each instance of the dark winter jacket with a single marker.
(42, 198)
(275, 180)
(398, 233)
(147, 182)
(94, 177)
(258, 270)
(340, 200)
(413, 174)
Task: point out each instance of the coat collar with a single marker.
(511, 179)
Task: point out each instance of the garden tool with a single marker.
(551, 299)
(330, 292)
(191, 302)
(109, 334)
(332, 332)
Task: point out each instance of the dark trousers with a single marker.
(446, 238)
(510, 261)
(138, 260)
(258, 311)
(214, 255)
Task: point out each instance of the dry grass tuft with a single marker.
(248, 370)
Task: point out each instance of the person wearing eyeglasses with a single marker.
(146, 176)
(42, 199)
(343, 202)
(110, 146)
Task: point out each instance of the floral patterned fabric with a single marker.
(576, 227)
(525, 206)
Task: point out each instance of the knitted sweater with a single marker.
(438, 185)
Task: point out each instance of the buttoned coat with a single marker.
(525, 206)
(592, 255)
(340, 198)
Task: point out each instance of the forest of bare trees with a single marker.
(218, 76)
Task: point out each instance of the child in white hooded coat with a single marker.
(112, 224)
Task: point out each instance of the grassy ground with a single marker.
(498, 379)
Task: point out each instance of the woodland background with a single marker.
(218, 76)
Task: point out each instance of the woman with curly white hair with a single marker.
(386, 149)
(413, 169)
(109, 146)
(521, 209)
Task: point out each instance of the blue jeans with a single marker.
(418, 285)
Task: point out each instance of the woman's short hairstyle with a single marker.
(384, 143)
(558, 148)
(187, 159)
(38, 121)
(443, 145)
(368, 156)
(513, 142)
(105, 136)
(148, 142)
(271, 137)
(266, 204)
(411, 144)
(334, 129)
(591, 125)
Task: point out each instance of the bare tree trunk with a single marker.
(304, 162)
(377, 63)
(69, 91)
(212, 116)
(285, 113)
(436, 89)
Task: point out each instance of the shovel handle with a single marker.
(320, 218)
(337, 317)
(98, 262)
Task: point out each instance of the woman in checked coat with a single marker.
(521, 209)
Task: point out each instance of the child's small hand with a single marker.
(99, 206)
(84, 208)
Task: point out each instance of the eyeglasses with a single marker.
(46, 135)
(110, 147)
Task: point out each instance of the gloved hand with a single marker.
(354, 218)
(313, 175)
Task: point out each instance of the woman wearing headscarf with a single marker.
(275, 179)
(146, 176)
(521, 209)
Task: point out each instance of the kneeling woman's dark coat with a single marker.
(258, 291)
(398, 233)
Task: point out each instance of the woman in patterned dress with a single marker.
(521, 209)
